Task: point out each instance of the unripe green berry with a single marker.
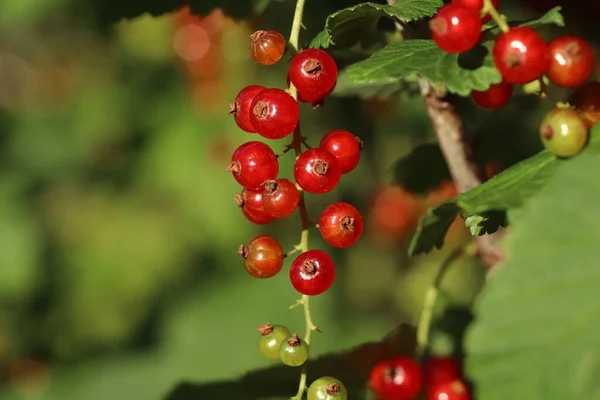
(294, 351)
(327, 388)
(563, 132)
(271, 338)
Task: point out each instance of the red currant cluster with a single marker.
(520, 54)
(274, 114)
(401, 378)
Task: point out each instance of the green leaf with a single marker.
(425, 58)
(281, 382)
(552, 17)
(486, 223)
(340, 22)
(508, 190)
(537, 327)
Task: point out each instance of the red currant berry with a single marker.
(449, 390)
(341, 225)
(251, 203)
(521, 55)
(477, 5)
(240, 108)
(495, 97)
(267, 47)
(271, 337)
(327, 388)
(274, 113)
(317, 171)
(253, 163)
(263, 257)
(399, 378)
(280, 197)
(441, 369)
(307, 98)
(312, 272)
(455, 28)
(344, 146)
(571, 61)
(313, 72)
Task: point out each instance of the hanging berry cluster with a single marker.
(274, 114)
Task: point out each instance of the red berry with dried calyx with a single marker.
(344, 146)
(563, 132)
(341, 225)
(251, 203)
(399, 378)
(495, 97)
(271, 337)
(274, 113)
(280, 197)
(449, 390)
(327, 388)
(317, 171)
(521, 55)
(253, 163)
(477, 5)
(455, 28)
(312, 272)
(267, 47)
(571, 61)
(313, 72)
(263, 257)
(441, 369)
(293, 351)
(240, 107)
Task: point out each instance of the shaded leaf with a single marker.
(536, 330)
(422, 170)
(425, 58)
(281, 382)
(338, 23)
(508, 190)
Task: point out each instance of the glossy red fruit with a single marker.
(313, 72)
(307, 98)
(317, 171)
(263, 257)
(521, 55)
(341, 225)
(344, 146)
(399, 378)
(240, 108)
(449, 390)
(455, 28)
(441, 369)
(312, 272)
(253, 163)
(571, 61)
(267, 47)
(251, 203)
(495, 97)
(280, 197)
(477, 5)
(274, 113)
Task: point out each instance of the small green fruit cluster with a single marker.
(564, 133)
(276, 342)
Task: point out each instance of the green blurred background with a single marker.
(119, 275)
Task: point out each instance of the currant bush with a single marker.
(341, 225)
(449, 390)
(477, 5)
(274, 113)
(571, 61)
(293, 351)
(280, 197)
(251, 203)
(271, 338)
(344, 146)
(456, 28)
(495, 97)
(240, 107)
(317, 171)
(267, 47)
(441, 369)
(313, 72)
(521, 55)
(399, 378)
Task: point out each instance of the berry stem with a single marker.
(430, 297)
(488, 8)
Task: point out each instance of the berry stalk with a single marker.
(488, 8)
